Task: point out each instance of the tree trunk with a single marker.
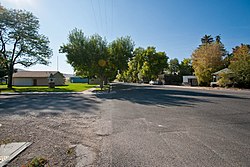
(101, 84)
(10, 75)
(106, 81)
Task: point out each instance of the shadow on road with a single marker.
(47, 105)
(153, 95)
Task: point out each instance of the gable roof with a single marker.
(34, 74)
(225, 70)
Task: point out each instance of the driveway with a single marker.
(170, 126)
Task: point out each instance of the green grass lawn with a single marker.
(70, 87)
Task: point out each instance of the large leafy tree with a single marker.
(93, 56)
(87, 55)
(174, 66)
(154, 63)
(186, 67)
(146, 65)
(121, 51)
(133, 73)
(20, 41)
(240, 65)
(207, 39)
(207, 59)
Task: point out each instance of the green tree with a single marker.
(93, 56)
(87, 55)
(121, 51)
(207, 59)
(186, 67)
(240, 65)
(3, 70)
(20, 41)
(153, 64)
(207, 39)
(146, 64)
(174, 66)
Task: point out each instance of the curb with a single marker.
(86, 92)
(208, 88)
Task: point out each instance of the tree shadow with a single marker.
(148, 95)
(48, 104)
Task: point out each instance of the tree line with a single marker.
(211, 56)
(93, 56)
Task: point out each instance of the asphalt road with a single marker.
(169, 126)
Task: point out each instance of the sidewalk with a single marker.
(88, 91)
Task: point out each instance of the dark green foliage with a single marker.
(92, 56)
(186, 67)
(20, 41)
(174, 66)
(146, 65)
(207, 39)
(173, 79)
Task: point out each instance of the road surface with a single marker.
(170, 126)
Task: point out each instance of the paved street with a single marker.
(167, 126)
(135, 125)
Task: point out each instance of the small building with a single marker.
(217, 76)
(77, 79)
(37, 78)
(190, 80)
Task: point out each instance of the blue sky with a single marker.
(173, 26)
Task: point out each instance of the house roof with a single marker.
(34, 74)
(225, 70)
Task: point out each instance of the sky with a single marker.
(172, 26)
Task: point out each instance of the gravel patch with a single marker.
(53, 137)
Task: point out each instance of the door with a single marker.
(34, 82)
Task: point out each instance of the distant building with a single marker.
(217, 76)
(190, 80)
(77, 79)
(37, 78)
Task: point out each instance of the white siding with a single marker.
(22, 81)
(185, 78)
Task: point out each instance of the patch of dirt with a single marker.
(52, 137)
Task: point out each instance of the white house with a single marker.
(190, 80)
(37, 78)
(217, 76)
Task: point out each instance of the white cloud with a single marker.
(20, 4)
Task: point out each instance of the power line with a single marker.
(100, 14)
(105, 13)
(112, 17)
(95, 15)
